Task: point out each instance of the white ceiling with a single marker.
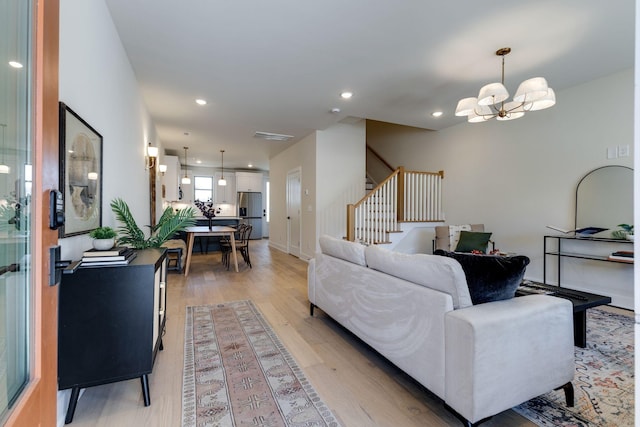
(280, 65)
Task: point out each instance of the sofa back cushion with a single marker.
(434, 272)
(343, 249)
(490, 277)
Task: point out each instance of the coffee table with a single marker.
(581, 302)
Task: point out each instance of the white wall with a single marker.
(340, 175)
(332, 162)
(517, 177)
(98, 83)
(302, 155)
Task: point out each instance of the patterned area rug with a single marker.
(237, 373)
(604, 380)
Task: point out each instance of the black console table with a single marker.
(560, 253)
(111, 322)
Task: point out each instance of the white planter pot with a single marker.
(103, 244)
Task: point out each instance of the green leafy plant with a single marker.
(627, 227)
(103, 233)
(168, 225)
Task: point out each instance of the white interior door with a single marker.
(265, 206)
(293, 212)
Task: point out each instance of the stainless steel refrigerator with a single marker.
(250, 212)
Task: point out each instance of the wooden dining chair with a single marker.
(242, 236)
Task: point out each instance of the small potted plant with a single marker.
(625, 233)
(103, 238)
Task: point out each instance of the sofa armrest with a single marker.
(503, 353)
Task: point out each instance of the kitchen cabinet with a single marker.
(249, 181)
(111, 322)
(225, 194)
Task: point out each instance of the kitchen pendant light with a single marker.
(222, 182)
(185, 178)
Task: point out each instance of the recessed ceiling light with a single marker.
(201, 102)
(15, 64)
(198, 161)
(346, 95)
(437, 113)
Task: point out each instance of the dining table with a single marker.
(216, 230)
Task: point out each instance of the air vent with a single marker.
(272, 136)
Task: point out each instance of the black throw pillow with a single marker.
(490, 277)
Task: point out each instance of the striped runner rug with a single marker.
(238, 373)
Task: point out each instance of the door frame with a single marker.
(38, 403)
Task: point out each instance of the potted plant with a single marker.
(208, 209)
(168, 225)
(625, 233)
(103, 238)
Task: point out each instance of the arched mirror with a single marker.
(604, 198)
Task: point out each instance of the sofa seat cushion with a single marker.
(431, 271)
(343, 249)
(490, 277)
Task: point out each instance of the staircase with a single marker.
(404, 196)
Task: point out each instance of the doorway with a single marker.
(29, 169)
(293, 211)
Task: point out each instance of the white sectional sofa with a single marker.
(416, 311)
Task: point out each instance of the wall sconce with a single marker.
(162, 169)
(150, 158)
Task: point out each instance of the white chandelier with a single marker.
(532, 95)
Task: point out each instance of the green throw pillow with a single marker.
(473, 241)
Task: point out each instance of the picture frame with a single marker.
(80, 174)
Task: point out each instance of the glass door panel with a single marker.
(15, 196)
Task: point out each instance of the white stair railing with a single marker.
(422, 196)
(407, 196)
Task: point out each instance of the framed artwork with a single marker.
(80, 174)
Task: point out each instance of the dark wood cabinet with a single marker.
(111, 321)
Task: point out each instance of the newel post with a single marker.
(351, 223)
(400, 195)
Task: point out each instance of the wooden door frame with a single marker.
(38, 403)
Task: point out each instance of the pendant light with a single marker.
(222, 182)
(4, 168)
(185, 178)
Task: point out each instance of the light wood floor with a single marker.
(361, 387)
